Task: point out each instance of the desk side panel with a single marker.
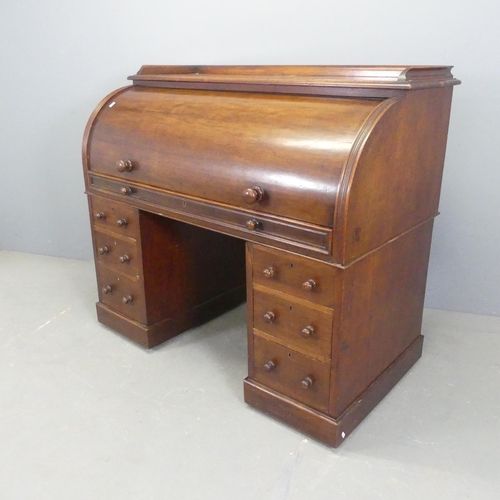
(396, 181)
(381, 317)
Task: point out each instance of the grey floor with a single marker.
(85, 414)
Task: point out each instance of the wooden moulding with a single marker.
(153, 335)
(279, 78)
(322, 427)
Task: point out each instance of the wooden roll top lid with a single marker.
(297, 134)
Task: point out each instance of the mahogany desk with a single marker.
(311, 191)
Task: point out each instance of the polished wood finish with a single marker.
(409, 167)
(247, 138)
(269, 366)
(295, 275)
(321, 426)
(308, 332)
(185, 266)
(117, 218)
(277, 231)
(309, 286)
(152, 279)
(291, 317)
(291, 368)
(331, 175)
(376, 81)
(124, 166)
(269, 272)
(383, 300)
(117, 253)
(115, 287)
(150, 336)
(253, 195)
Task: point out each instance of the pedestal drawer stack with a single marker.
(115, 231)
(292, 324)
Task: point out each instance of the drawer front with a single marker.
(116, 253)
(294, 324)
(122, 294)
(298, 276)
(247, 224)
(291, 373)
(116, 217)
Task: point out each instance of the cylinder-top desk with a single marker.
(309, 191)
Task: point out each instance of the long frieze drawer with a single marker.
(293, 324)
(121, 293)
(293, 274)
(116, 253)
(247, 224)
(116, 217)
(298, 376)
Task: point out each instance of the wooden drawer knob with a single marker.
(127, 299)
(253, 195)
(124, 166)
(268, 317)
(122, 222)
(309, 285)
(103, 250)
(307, 332)
(124, 259)
(269, 366)
(100, 215)
(268, 272)
(107, 289)
(307, 383)
(252, 224)
(126, 191)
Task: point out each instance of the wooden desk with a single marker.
(329, 176)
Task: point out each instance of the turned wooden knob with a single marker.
(268, 272)
(124, 259)
(122, 222)
(103, 250)
(307, 332)
(107, 289)
(253, 195)
(269, 366)
(268, 317)
(252, 224)
(127, 299)
(306, 383)
(124, 166)
(309, 285)
(100, 215)
(126, 191)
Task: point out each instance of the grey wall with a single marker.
(59, 58)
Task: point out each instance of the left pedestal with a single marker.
(158, 277)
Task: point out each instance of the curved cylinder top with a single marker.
(217, 145)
